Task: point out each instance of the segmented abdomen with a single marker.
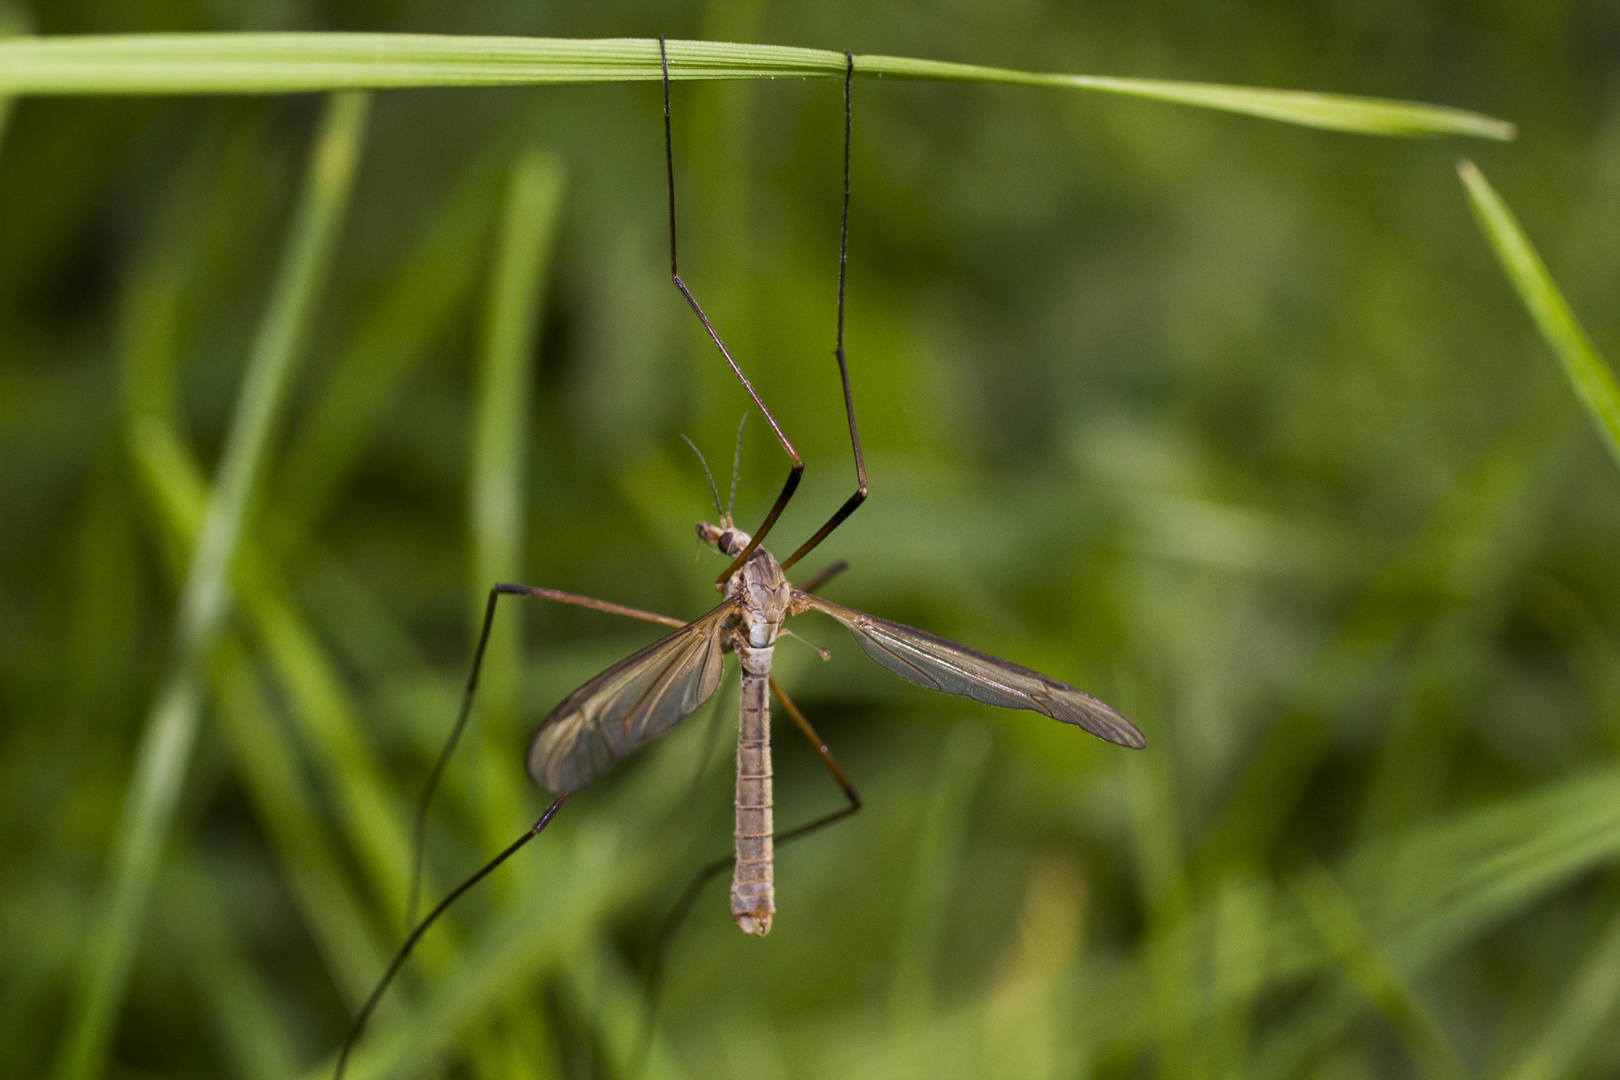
(753, 896)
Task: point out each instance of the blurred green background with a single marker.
(1236, 425)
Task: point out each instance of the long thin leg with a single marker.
(797, 470)
(829, 572)
(859, 497)
(683, 907)
(416, 934)
(419, 829)
(827, 759)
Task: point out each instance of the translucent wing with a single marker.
(944, 665)
(641, 696)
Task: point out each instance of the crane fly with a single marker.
(653, 689)
(647, 693)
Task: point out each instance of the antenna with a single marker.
(710, 477)
(736, 463)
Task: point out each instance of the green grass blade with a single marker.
(250, 1028)
(390, 340)
(1157, 849)
(182, 272)
(1591, 377)
(1420, 895)
(324, 715)
(921, 930)
(327, 720)
(137, 849)
(313, 238)
(1342, 930)
(569, 885)
(261, 747)
(1290, 1048)
(281, 62)
(610, 995)
(316, 872)
(497, 496)
(322, 710)
(1478, 523)
(505, 377)
(1237, 972)
(1333, 112)
(1585, 1009)
(1440, 884)
(13, 23)
(171, 728)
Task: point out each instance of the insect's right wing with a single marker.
(641, 696)
(940, 664)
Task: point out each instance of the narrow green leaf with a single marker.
(281, 62)
(388, 342)
(13, 22)
(263, 396)
(1292, 1048)
(505, 375)
(327, 720)
(321, 708)
(1237, 972)
(568, 889)
(497, 487)
(1333, 112)
(171, 727)
(1420, 895)
(1584, 1010)
(1155, 829)
(248, 1024)
(1428, 891)
(260, 746)
(927, 901)
(317, 875)
(604, 990)
(1592, 379)
(1167, 953)
(1342, 931)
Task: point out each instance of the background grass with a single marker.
(1238, 425)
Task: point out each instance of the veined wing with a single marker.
(939, 664)
(641, 696)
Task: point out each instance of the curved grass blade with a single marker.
(507, 954)
(263, 750)
(1582, 1013)
(497, 501)
(386, 343)
(326, 719)
(1342, 930)
(171, 727)
(14, 22)
(1592, 379)
(926, 904)
(1419, 896)
(500, 450)
(281, 62)
(241, 1006)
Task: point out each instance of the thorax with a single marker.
(763, 591)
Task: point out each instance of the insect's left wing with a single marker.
(938, 664)
(641, 696)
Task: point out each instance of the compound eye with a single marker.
(725, 541)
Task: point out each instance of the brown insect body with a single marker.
(647, 693)
(763, 595)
